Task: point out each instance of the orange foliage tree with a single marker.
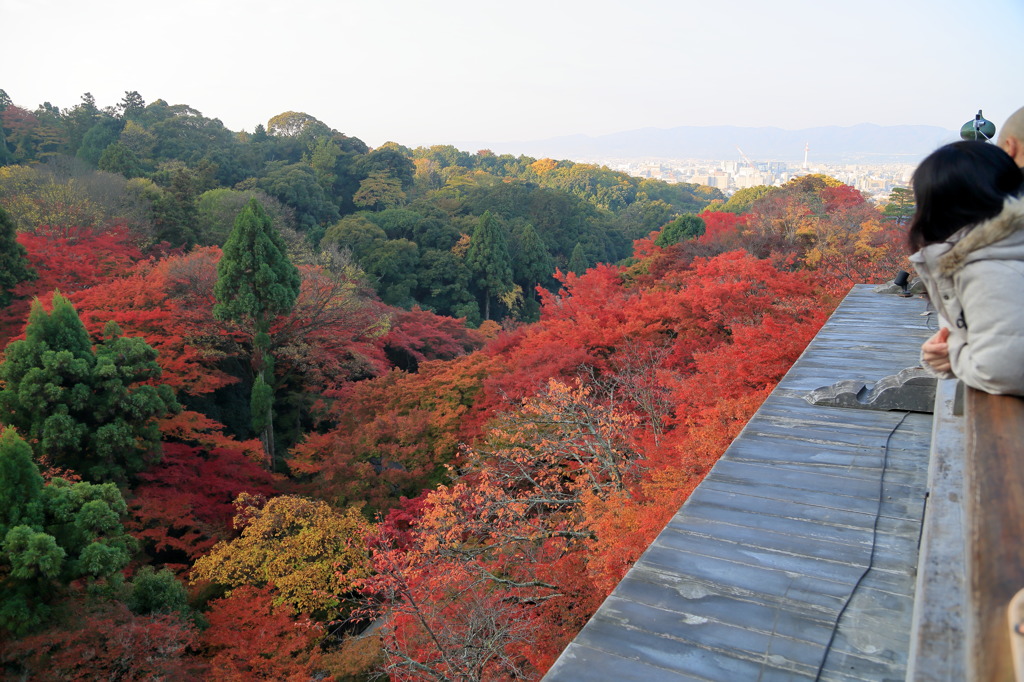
(253, 636)
(393, 435)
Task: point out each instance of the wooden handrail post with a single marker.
(995, 523)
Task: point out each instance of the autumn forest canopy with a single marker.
(276, 405)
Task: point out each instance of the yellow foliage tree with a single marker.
(543, 166)
(310, 552)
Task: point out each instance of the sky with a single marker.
(422, 72)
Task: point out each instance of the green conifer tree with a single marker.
(85, 410)
(5, 154)
(14, 266)
(256, 283)
(900, 208)
(687, 226)
(532, 267)
(52, 536)
(175, 215)
(578, 261)
(118, 158)
(488, 260)
(532, 263)
(158, 592)
(21, 489)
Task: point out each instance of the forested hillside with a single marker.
(274, 405)
(400, 212)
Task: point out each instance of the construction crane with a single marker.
(746, 158)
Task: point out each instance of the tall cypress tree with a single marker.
(578, 261)
(256, 283)
(533, 266)
(488, 260)
(532, 263)
(14, 267)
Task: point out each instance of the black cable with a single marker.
(874, 546)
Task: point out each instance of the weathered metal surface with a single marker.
(795, 557)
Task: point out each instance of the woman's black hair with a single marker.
(960, 184)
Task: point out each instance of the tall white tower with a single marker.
(807, 148)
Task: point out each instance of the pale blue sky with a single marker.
(449, 70)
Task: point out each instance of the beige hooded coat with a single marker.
(976, 282)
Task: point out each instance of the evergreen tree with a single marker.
(101, 135)
(5, 153)
(131, 105)
(900, 208)
(688, 226)
(533, 267)
(174, 211)
(51, 536)
(83, 409)
(79, 120)
(118, 158)
(532, 263)
(158, 592)
(488, 260)
(256, 283)
(21, 486)
(578, 261)
(14, 266)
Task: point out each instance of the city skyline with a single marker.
(826, 144)
(873, 180)
(423, 74)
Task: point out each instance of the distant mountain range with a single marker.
(864, 143)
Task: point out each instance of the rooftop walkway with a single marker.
(795, 558)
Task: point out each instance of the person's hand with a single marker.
(935, 351)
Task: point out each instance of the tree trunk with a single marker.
(261, 358)
(267, 438)
(267, 435)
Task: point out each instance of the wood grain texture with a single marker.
(995, 516)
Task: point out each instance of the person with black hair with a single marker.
(967, 239)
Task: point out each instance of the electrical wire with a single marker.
(874, 546)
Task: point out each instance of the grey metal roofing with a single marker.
(763, 574)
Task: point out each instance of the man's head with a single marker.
(1011, 136)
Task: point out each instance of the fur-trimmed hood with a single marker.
(975, 244)
(975, 281)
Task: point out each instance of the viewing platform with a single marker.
(797, 557)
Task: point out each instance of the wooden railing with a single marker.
(971, 562)
(939, 631)
(994, 524)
